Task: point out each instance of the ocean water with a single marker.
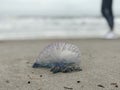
(51, 27)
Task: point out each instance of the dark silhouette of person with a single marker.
(107, 12)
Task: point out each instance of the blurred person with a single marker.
(108, 15)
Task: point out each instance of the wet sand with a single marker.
(100, 62)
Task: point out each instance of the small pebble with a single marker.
(28, 82)
(116, 86)
(78, 81)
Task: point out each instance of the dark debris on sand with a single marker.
(68, 88)
(78, 81)
(28, 82)
(100, 86)
(114, 84)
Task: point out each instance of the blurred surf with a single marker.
(49, 27)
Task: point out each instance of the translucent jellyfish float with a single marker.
(59, 57)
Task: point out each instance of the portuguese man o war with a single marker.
(59, 57)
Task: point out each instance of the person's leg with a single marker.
(107, 13)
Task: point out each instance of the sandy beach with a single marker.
(100, 62)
